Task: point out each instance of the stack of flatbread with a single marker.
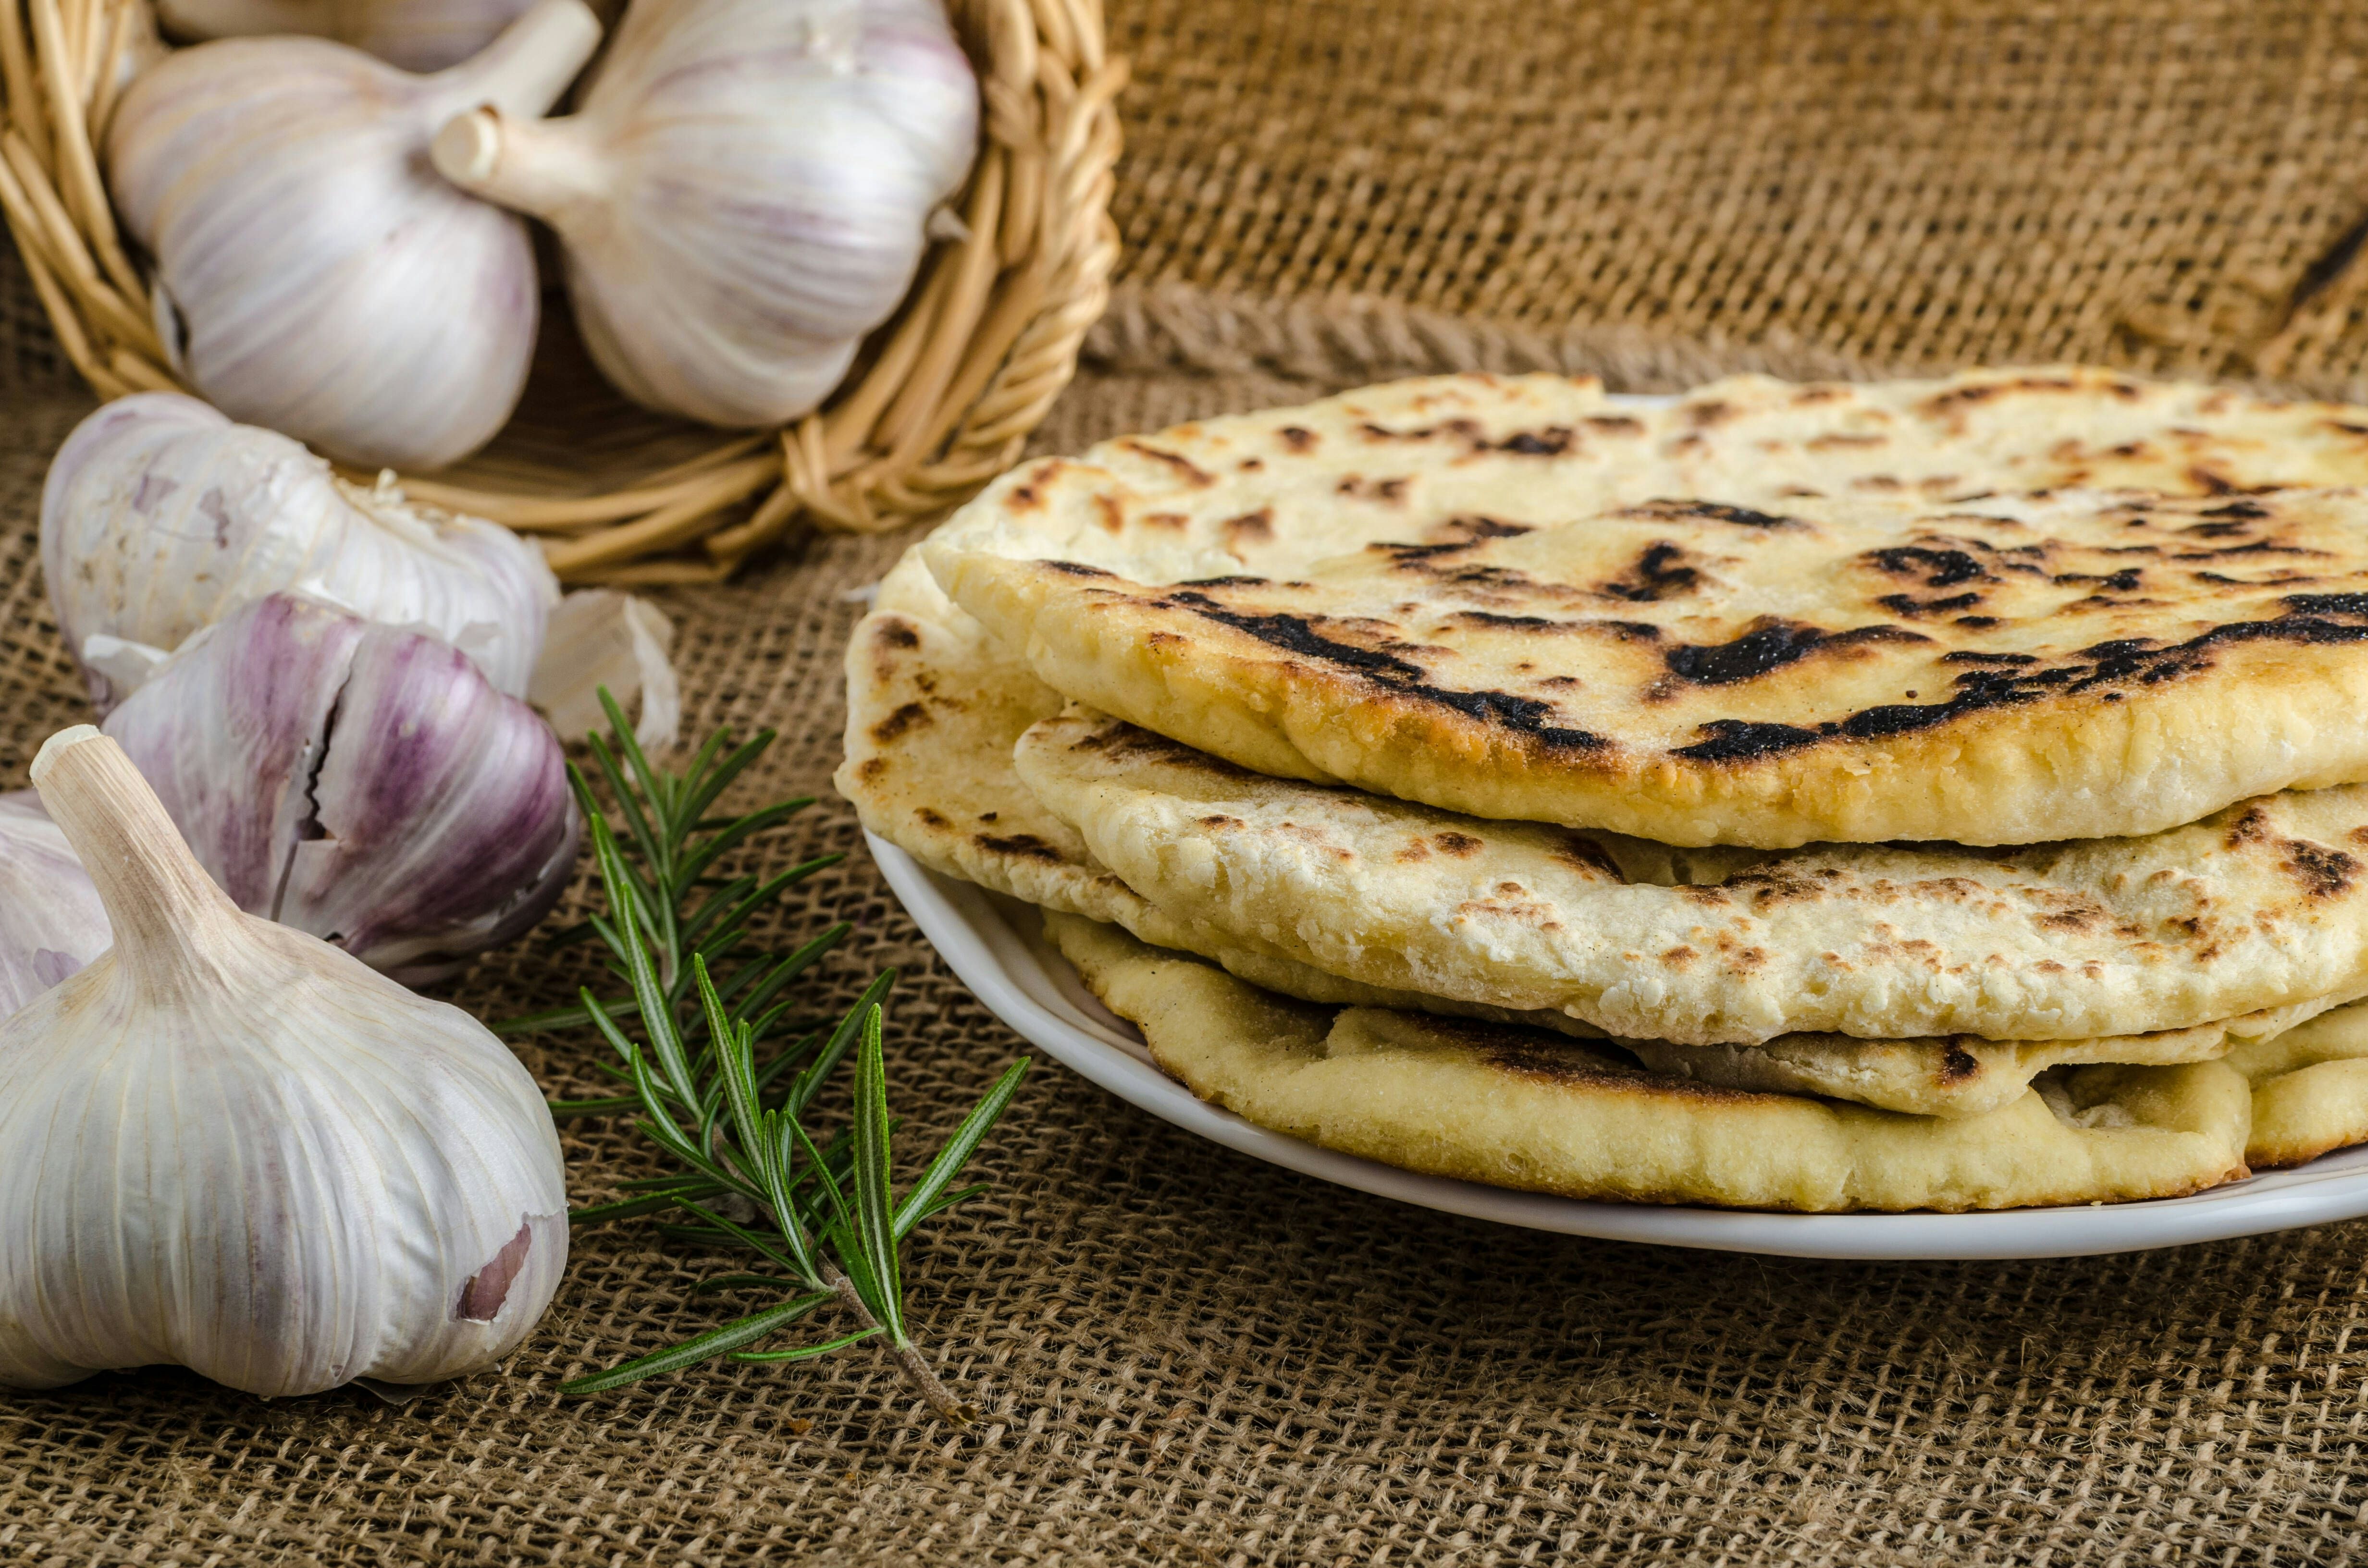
(1925, 795)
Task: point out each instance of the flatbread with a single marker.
(927, 681)
(935, 708)
(1273, 494)
(2264, 906)
(1518, 1108)
(1697, 672)
(2310, 1089)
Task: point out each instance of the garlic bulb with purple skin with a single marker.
(743, 192)
(313, 273)
(50, 920)
(229, 1146)
(360, 782)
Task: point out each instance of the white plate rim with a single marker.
(1018, 980)
(1035, 992)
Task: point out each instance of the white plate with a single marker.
(994, 943)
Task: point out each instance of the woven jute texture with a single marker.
(1187, 1357)
(1816, 187)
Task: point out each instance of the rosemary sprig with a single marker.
(714, 1082)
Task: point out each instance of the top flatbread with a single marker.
(1514, 627)
(1271, 493)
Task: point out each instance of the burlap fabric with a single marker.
(1186, 1356)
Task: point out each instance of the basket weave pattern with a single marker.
(942, 400)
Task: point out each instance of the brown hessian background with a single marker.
(1185, 1357)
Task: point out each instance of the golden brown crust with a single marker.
(2068, 668)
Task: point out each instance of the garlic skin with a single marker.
(51, 924)
(743, 192)
(417, 34)
(362, 783)
(227, 1145)
(600, 637)
(324, 282)
(160, 515)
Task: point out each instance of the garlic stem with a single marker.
(544, 167)
(158, 899)
(525, 69)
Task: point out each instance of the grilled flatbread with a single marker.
(1697, 672)
(2264, 906)
(1269, 494)
(1515, 1107)
(930, 695)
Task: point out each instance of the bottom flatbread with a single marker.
(1517, 1108)
(935, 709)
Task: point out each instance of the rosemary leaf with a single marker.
(705, 1347)
(875, 1223)
(562, 1109)
(807, 1352)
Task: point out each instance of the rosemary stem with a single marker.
(908, 1356)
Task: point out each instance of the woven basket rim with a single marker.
(946, 391)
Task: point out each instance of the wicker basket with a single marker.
(940, 401)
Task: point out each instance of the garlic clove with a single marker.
(327, 283)
(601, 638)
(228, 1146)
(744, 192)
(362, 783)
(159, 515)
(50, 920)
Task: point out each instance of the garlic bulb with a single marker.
(228, 1146)
(743, 192)
(360, 782)
(326, 283)
(418, 35)
(51, 921)
(160, 515)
